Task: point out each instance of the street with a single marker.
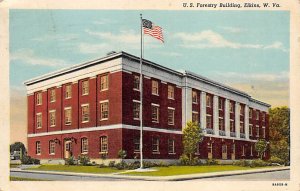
(276, 175)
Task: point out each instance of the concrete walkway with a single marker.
(158, 178)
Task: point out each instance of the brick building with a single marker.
(93, 108)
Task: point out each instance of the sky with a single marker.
(248, 50)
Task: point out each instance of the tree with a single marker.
(280, 133)
(260, 147)
(18, 146)
(192, 135)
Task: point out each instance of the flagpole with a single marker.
(141, 97)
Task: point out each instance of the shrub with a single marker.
(133, 165)
(84, 160)
(121, 166)
(70, 161)
(163, 164)
(211, 162)
(122, 154)
(102, 165)
(29, 160)
(242, 162)
(259, 163)
(274, 159)
(184, 160)
(111, 164)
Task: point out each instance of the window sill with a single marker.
(38, 154)
(84, 94)
(85, 121)
(38, 127)
(208, 106)
(103, 152)
(104, 119)
(84, 153)
(172, 153)
(195, 102)
(69, 124)
(68, 97)
(52, 126)
(136, 152)
(156, 153)
(137, 119)
(155, 121)
(104, 90)
(171, 124)
(171, 98)
(52, 101)
(155, 94)
(52, 154)
(136, 89)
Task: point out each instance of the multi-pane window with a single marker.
(231, 107)
(155, 113)
(38, 147)
(263, 117)
(136, 82)
(170, 92)
(104, 110)
(51, 147)
(103, 144)
(136, 143)
(85, 87)
(195, 116)
(257, 131)
(171, 113)
(171, 146)
(208, 121)
(68, 116)
(250, 129)
(233, 149)
(52, 95)
(251, 150)
(232, 129)
(242, 110)
(221, 124)
(39, 98)
(208, 101)
(243, 150)
(194, 97)
(136, 110)
(104, 82)
(155, 144)
(85, 113)
(84, 145)
(221, 104)
(224, 149)
(241, 127)
(52, 118)
(250, 113)
(39, 120)
(68, 91)
(257, 115)
(154, 87)
(263, 132)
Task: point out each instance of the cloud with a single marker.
(28, 56)
(232, 29)
(102, 21)
(129, 36)
(211, 39)
(56, 37)
(87, 48)
(175, 54)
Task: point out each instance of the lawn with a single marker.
(181, 170)
(13, 178)
(78, 169)
(14, 165)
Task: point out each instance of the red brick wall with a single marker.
(30, 114)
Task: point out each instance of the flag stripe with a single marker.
(153, 30)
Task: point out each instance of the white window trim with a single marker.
(105, 89)
(171, 108)
(70, 91)
(222, 104)
(103, 152)
(41, 101)
(83, 105)
(84, 152)
(37, 149)
(139, 83)
(243, 150)
(251, 127)
(156, 105)
(39, 114)
(195, 102)
(139, 102)
(171, 98)
(257, 134)
(173, 143)
(210, 104)
(52, 111)
(67, 108)
(156, 152)
(54, 100)
(50, 153)
(101, 102)
(156, 94)
(88, 85)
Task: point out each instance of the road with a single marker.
(283, 175)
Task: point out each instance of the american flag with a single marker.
(153, 30)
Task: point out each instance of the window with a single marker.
(208, 121)
(85, 113)
(39, 120)
(85, 87)
(51, 147)
(84, 145)
(136, 110)
(154, 87)
(251, 150)
(171, 146)
(242, 127)
(194, 97)
(39, 98)
(170, 92)
(136, 143)
(243, 150)
(103, 144)
(155, 144)
(250, 113)
(52, 118)
(250, 129)
(52, 95)
(68, 93)
(208, 101)
(257, 131)
(136, 82)
(221, 104)
(103, 82)
(224, 149)
(263, 117)
(68, 116)
(257, 115)
(155, 113)
(171, 113)
(38, 147)
(195, 116)
(209, 150)
(232, 128)
(263, 132)
(242, 110)
(231, 107)
(104, 109)
(233, 149)
(221, 124)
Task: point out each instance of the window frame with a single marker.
(136, 83)
(85, 87)
(171, 92)
(257, 131)
(136, 141)
(156, 107)
(136, 109)
(194, 95)
(39, 116)
(68, 91)
(84, 145)
(257, 115)
(193, 114)
(38, 148)
(251, 129)
(155, 87)
(52, 113)
(233, 125)
(208, 100)
(52, 95)
(39, 98)
(231, 107)
(104, 82)
(103, 144)
(83, 115)
(209, 116)
(172, 146)
(221, 127)
(172, 122)
(221, 104)
(104, 114)
(65, 115)
(51, 147)
(155, 143)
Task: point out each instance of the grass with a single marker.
(181, 170)
(14, 165)
(13, 178)
(78, 169)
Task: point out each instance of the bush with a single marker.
(29, 160)
(274, 159)
(102, 166)
(111, 164)
(242, 163)
(121, 166)
(70, 161)
(184, 160)
(259, 163)
(211, 162)
(84, 160)
(122, 154)
(134, 165)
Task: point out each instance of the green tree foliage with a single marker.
(280, 132)
(261, 146)
(17, 146)
(192, 135)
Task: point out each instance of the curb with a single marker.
(159, 178)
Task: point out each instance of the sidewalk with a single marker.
(158, 178)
